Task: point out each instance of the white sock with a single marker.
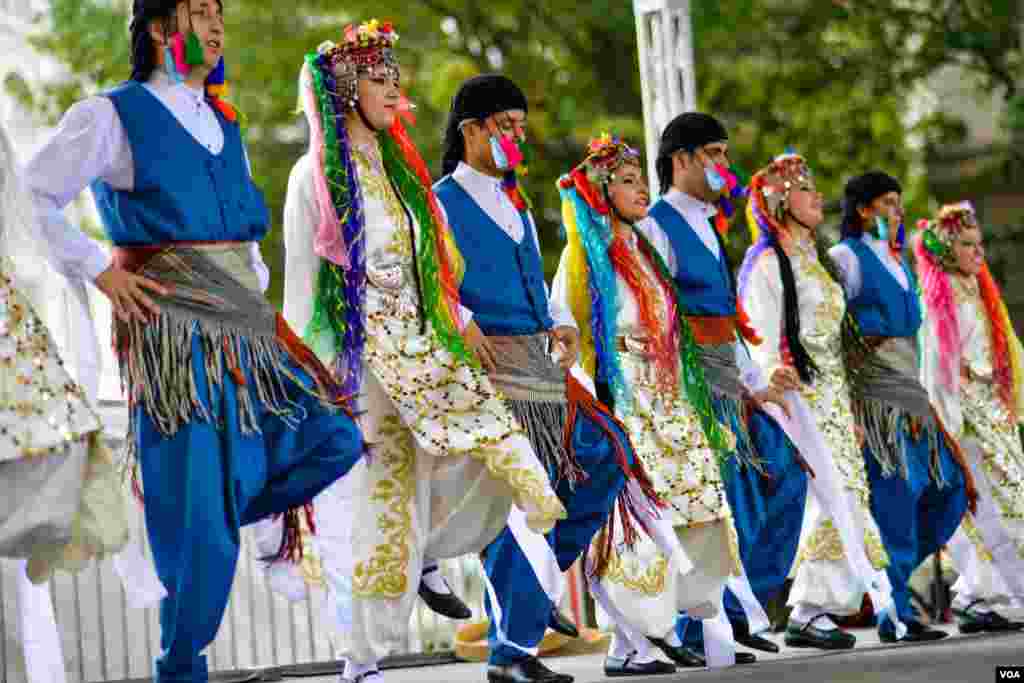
(620, 647)
(434, 579)
(804, 612)
(672, 638)
(352, 670)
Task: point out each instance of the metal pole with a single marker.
(668, 82)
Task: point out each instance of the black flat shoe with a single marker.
(680, 654)
(742, 635)
(560, 623)
(746, 658)
(808, 635)
(916, 633)
(971, 621)
(446, 604)
(615, 667)
(530, 670)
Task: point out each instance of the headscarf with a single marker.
(933, 249)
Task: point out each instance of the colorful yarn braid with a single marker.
(940, 303)
(662, 335)
(588, 237)
(439, 262)
(695, 386)
(217, 90)
(1007, 363)
(761, 232)
(937, 291)
(340, 293)
(596, 310)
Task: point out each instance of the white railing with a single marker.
(105, 639)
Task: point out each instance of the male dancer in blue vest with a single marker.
(920, 483)
(232, 418)
(504, 289)
(765, 481)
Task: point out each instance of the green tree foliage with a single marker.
(831, 80)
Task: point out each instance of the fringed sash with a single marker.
(888, 398)
(534, 388)
(723, 377)
(213, 294)
(547, 402)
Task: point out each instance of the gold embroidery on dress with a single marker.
(646, 579)
(374, 182)
(386, 572)
(42, 412)
(670, 442)
(825, 545)
(974, 535)
(310, 567)
(734, 549)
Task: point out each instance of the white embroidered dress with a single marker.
(447, 459)
(841, 551)
(988, 549)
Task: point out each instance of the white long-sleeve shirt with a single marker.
(90, 144)
(487, 192)
(697, 214)
(849, 265)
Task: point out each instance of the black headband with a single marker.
(690, 131)
(478, 98)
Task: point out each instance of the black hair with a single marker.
(477, 98)
(688, 132)
(805, 365)
(860, 192)
(143, 49)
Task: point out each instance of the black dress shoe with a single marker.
(446, 604)
(756, 643)
(680, 654)
(971, 621)
(530, 670)
(560, 623)
(742, 635)
(809, 635)
(366, 677)
(745, 657)
(614, 667)
(916, 633)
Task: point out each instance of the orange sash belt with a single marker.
(712, 330)
(133, 258)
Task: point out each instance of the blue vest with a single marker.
(703, 279)
(504, 281)
(882, 308)
(182, 191)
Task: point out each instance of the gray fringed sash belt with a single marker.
(888, 399)
(213, 296)
(547, 401)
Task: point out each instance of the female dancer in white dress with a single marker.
(973, 369)
(63, 501)
(797, 308)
